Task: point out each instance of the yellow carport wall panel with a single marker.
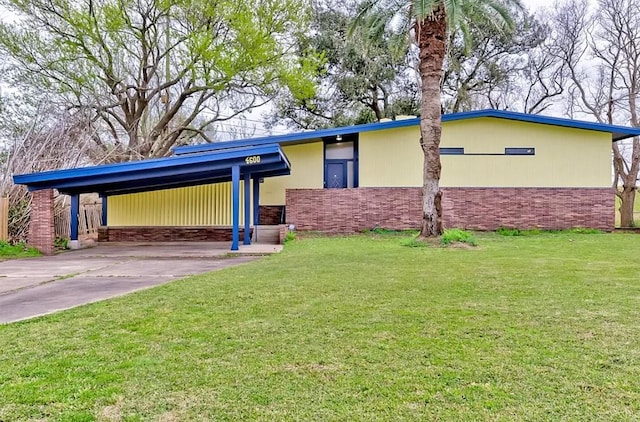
(307, 171)
(205, 205)
(565, 157)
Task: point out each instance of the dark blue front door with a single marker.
(336, 174)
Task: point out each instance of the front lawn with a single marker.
(541, 327)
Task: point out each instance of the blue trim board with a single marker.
(247, 208)
(617, 132)
(75, 214)
(235, 206)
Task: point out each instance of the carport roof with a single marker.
(162, 173)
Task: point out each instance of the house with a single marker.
(498, 169)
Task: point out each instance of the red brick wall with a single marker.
(167, 234)
(350, 210)
(41, 228)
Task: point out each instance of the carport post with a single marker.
(256, 202)
(104, 211)
(75, 210)
(235, 200)
(247, 208)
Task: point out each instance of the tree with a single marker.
(365, 76)
(601, 55)
(431, 22)
(486, 66)
(151, 74)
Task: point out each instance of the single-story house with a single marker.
(499, 168)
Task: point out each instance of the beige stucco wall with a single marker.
(564, 157)
(307, 171)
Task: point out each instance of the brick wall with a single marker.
(350, 210)
(270, 214)
(41, 227)
(167, 234)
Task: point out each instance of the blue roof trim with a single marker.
(617, 132)
(296, 137)
(160, 173)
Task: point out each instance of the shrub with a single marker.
(458, 235)
(289, 237)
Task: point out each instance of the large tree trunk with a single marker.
(431, 34)
(628, 174)
(627, 196)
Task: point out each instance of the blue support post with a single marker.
(247, 208)
(104, 211)
(235, 200)
(256, 202)
(75, 210)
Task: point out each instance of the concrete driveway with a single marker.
(36, 286)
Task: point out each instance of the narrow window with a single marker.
(520, 151)
(451, 151)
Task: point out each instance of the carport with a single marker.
(249, 164)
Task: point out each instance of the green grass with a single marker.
(19, 250)
(357, 328)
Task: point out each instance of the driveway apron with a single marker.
(32, 287)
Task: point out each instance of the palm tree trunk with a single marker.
(431, 34)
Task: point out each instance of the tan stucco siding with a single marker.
(564, 157)
(307, 171)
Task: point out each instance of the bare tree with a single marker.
(53, 140)
(601, 58)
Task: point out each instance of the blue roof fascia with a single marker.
(153, 173)
(296, 137)
(147, 165)
(617, 132)
(107, 190)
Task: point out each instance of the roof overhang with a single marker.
(162, 173)
(617, 132)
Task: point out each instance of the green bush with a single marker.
(289, 237)
(458, 236)
(61, 242)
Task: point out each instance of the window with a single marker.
(520, 151)
(452, 151)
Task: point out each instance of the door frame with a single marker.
(351, 137)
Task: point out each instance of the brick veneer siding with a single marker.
(41, 227)
(351, 210)
(271, 214)
(167, 234)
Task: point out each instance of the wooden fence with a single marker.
(4, 219)
(90, 218)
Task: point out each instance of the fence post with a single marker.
(4, 219)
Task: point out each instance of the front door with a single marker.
(336, 173)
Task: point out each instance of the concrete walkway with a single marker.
(36, 286)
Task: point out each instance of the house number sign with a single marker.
(254, 159)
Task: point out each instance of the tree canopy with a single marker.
(150, 74)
